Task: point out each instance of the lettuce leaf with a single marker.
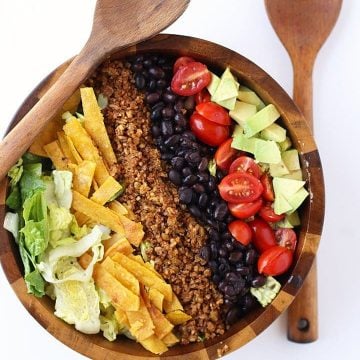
(13, 201)
(15, 173)
(63, 182)
(31, 181)
(11, 223)
(60, 220)
(109, 325)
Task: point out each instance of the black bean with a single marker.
(181, 151)
(145, 74)
(161, 84)
(229, 219)
(233, 315)
(222, 226)
(203, 199)
(213, 265)
(212, 223)
(151, 86)
(186, 171)
(219, 175)
(205, 253)
(222, 252)
(203, 177)
(190, 180)
(226, 236)
(172, 140)
(155, 129)
(189, 135)
(162, 61)
(229, 246)
(175, 177)
(185, 195)
(156, 72)
(152, 98)
(223, 268)
(177, 162)
(154, 58)
(137, 67)
(222, 286)
(195, 211)
(179, 129)
(203, 165)
(250, 257)
(238, 245)
(214, 250)
(193, 158)
(216, 279)
(167, 112)
(186, 143)
(258, 281)
(169, 97)
(247, 301)
(167, 156)
(159, 105)
(167, 128)
(179, 106)
(214, 235)
(139, 58)
(189, 103)
(211, 186)
(242, 270)
(199, 188)
(147, 63)
(231, 277)
(140, 81)
(235, 257)
(155, 114)
(221, 211)
(229, 290)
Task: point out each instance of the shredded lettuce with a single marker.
(60, 220)
(15, 173)
(63, 182)
(212, 167)
(11, 223)
(109, 325)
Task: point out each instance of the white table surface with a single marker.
(36, 36)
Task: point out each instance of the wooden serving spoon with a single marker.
(117, 24)
(303, 26)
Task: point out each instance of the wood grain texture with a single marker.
(110, 32)
(303, 27)
(218, 57)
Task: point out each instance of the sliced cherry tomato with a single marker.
(182, 61)
(268, 213)
(275, 261)
(241, 231)
(263, 234)
(202, 96)
(214, 112)
(240, 187)
(190, 79)
(225, 155)
(207, 131)
(245, 164)
(245, 210)
(268, 193)
(286, 238)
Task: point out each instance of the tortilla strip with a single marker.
(154, 344)
(121, 274)
(120, 296)
(54, 152)
(65, 147)
(81, 218)
(172, 305)
(141, 325)
(117, 243)
(140, 260)
(97, 212)
(74, 152)
(94, 125)
(121, 318)
(133, 230)
(106, 191)
(178, 317)
(170, 339)
(156, 298)
(118, 208)
(144, 275)
(101, 171)
(83, 177)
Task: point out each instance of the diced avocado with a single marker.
(261, 120)
(284, 223)
(242, 111)
(297, 199)
(295, 175)
(228, 103)
(212, 167)
(214, 83)
(247, 95)
(291, 159)
(285, 145)
(237, 130)
(274, 132)
(281, 205)
(294, 218)
(267, 151)
(279, 169)
(241, 142)
(266, 294)
(228, 87)
(286, 187)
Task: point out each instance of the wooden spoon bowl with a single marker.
(312, 214)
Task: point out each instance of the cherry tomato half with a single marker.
(207, 131)
(202, 96)
(182, 61)
(240, 187)
(268, 193)
(214, 112)
(275, 261)
(245, 164)
(245, 210)
(190, 79)
(268, 213)
(263, 235)
(225, 155)
(286, 238)
(241, 231)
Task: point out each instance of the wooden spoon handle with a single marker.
(303, 312)
(22, 136)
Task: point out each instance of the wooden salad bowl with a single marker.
(312, 214)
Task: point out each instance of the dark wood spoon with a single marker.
(117, 24)
(303, 26)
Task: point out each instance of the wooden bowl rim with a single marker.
(312, 220)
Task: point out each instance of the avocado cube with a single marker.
(267, 151)
(295, 175)
(279, 169)
(228, 103)
(241, 142)
(294, 218)
(281, 205)
(297, 199)
(274, 132)
(291, 159)
(238, 130)
(286, 187)
(227, 88)
(214, 83)
(285, 145)
(242, 111)
(247, 95)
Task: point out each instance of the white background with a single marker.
(36, 36)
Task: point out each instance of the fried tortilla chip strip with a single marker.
(106, 191)
(156, 298)
(73, 151)
(144, 275)
(118, 208)
(97, 212)
(141, 325)
(122, 319)
(54, 152)
(83, 177)
(117, 243)
(101, 171)
(178, 317)
(65, 147)
(133, 230)
(121, 274)
(154, 344)
(94, 125)
(172, 305)
(140, 260)
(121, 297)
(81, 218)
(170, 339)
